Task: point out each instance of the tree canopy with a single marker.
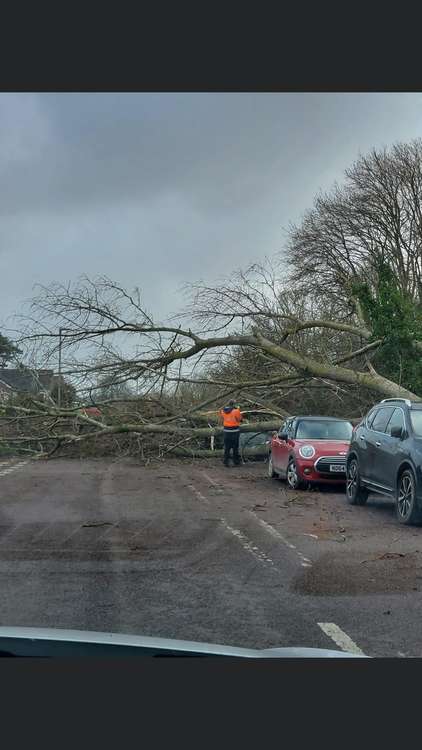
(8, 351)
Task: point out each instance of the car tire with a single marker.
(355, 493)
(407, 510)
(293, 479)
(271, 473)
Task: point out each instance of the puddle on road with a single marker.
(362, 573)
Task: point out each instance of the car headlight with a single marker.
(307, 451)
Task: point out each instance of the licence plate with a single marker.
(340, 468)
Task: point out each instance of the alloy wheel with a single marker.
(352, 479)
(292, 477)
(405, 496)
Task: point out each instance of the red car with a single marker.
(310, 450)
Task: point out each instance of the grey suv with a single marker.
(385, 456)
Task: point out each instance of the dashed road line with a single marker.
(11, 467)
(217, 486)
(246, 543)
(304, 561)
(340, 637)
(209, 479)
(198, 494)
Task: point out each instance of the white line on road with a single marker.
(209, 479)
(304, 561)
(239, 535)
(340, 637)
(271, 530)
(12, 467)
(198, 494)
(246, 543)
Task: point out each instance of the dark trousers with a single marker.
(231, 443)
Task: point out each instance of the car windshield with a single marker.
(324, 429)
(416, 419)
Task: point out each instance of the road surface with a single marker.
(197, 551)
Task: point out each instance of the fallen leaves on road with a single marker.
(385, 556)
(300, 499)
(260, 507)
(391, 555)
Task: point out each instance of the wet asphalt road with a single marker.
(196, 551)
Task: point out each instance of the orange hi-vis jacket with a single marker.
(231, 418)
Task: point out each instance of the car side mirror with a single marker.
(397, 432)
(283, 436)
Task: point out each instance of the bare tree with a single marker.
(376, 216)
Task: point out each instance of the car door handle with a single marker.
(362, 437)
(378, 444)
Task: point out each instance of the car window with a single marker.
(283, 428)
(416, 419)
(371, 416)
(323, 429)
(382, 416)
(396, 420)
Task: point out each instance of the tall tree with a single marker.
(374, 218)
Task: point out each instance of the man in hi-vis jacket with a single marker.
(231, 418)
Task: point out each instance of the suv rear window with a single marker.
(381, 418)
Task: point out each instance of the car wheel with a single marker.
(355, 493)
(406, 507)
(271, 473)
(293, 479)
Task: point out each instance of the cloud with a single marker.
(157, 189)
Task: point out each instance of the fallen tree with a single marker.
(343, 330)
(159, 366)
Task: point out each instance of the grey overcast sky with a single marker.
(154, 190)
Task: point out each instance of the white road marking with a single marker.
(198, 494)
(208, 478)
(216, 486)
(12, 467)
(243, 539)
(239, 535)
(314, 536)
(340, 637)
(246, 543)
(271, 530)
(304, 561)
